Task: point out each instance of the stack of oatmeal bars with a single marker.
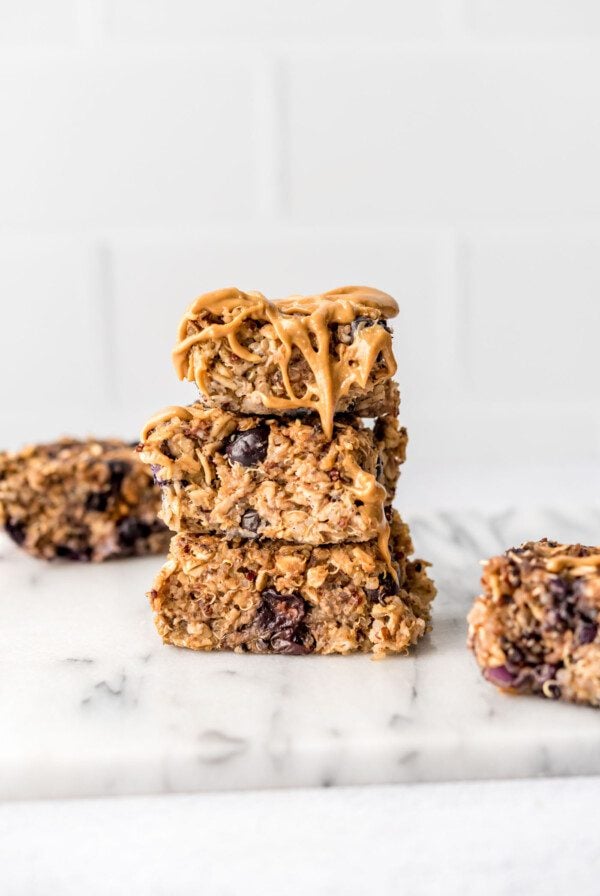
(278, 481)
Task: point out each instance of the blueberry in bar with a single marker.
(274, 597)
(327, 354)
(534, 629)
(80, 500)
(281, 478)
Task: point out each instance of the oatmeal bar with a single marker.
(535, 627)
(80, 500)
(274, 478)
(329, 354)
(274, 597)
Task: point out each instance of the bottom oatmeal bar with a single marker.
(535, 627)
(80, 500)
(275, 597)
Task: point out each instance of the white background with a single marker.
(443, 150)
(446, 151)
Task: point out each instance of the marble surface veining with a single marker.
(92, 703)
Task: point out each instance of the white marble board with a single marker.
(91, 703)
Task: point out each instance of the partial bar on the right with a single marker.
(534, 629)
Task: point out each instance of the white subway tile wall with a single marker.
(103, 139)
(329, 20)
(443, 135)
(37, 21)
(534, 18)
(446, 151)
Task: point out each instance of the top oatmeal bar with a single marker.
(329, 353)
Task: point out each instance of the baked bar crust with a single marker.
(80, 500)
(273, 477)
(535, 627)
(328, 354)
(272, 597)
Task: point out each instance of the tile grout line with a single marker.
(91, 15)
(454, 17)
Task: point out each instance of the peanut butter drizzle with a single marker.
(373, 494)
(563, 561)
(300, 322)
(173, 410)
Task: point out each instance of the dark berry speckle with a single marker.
(156, 468)
(387, 588)
(131, 530)
(97, 501)
(361, 323)
(586, 632)
(118, 470)
(248, 448)
(78, 554)
(250, 521)
(279, 622)
(16, 530)
(500, 676)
